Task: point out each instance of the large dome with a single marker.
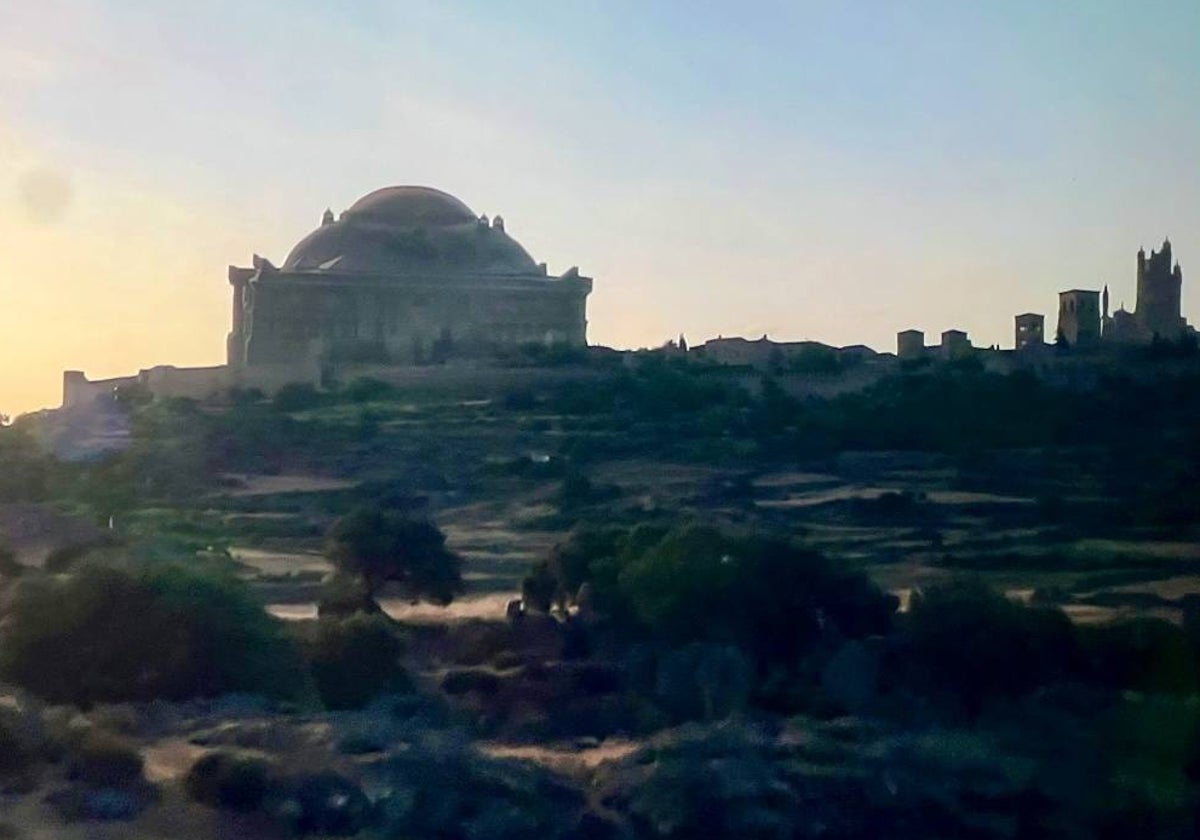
(409, 230)
(410, 207)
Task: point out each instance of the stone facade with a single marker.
(407, 275)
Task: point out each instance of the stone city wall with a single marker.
(199, 383)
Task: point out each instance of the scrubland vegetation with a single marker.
(743, 613)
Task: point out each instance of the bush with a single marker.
(767, 596)
(442, 787)
(1145, 654)
(367, 389)
(101, 759)
(228, 780)
(356, 659)
(297, 396)
(964, 639)
(142, 632)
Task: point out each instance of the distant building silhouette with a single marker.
(406, 275)
(1079, 317)
(955, 344)
(910, 344)
(1030, 332)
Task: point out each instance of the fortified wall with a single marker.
(199, 383)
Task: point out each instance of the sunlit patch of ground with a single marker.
(266, 562)
(961, 497)
(170, 758)
(489, 606)
(568, 759)
(1172, 588)
(821, 497)
(1092, 614)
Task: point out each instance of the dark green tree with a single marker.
(383, 547)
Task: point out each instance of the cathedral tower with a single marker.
(1159, 289)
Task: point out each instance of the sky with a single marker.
(835, 170)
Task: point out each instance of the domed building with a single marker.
(406, 275)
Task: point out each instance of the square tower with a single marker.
(1030, 331)
(1079, 317)
(910, 344)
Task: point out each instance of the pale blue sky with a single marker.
(826, 170)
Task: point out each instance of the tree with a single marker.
(768, 596)
(381, 546)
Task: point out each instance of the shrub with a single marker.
(61, 559)
(141, 632)
(368, 389)
(1145, 654)
(356, 659)
(296, 396)
(228, 780)
(767, 596)
(966, 640)
(101, 759)
(441, 787)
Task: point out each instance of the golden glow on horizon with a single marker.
(100, 276)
